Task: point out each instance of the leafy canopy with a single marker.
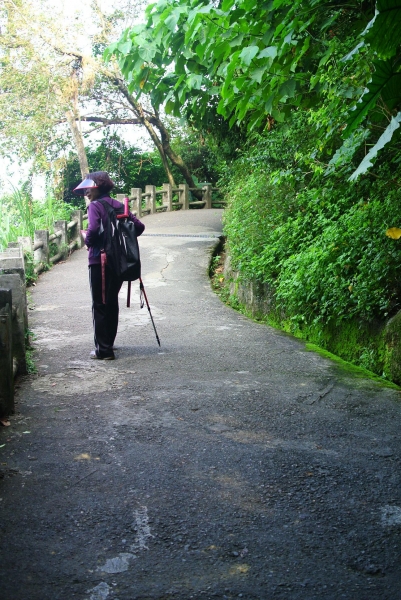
(382, 38)
(245, 58)
(253, 61)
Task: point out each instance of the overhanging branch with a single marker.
(111, 121)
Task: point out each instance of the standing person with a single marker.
(96, 186)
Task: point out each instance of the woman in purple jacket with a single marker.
(97, 186)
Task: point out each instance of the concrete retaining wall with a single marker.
(375, 346)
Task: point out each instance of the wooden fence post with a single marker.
(136, 195)
(62, 241)
(167, 195)
(207, 195)
(6, 355)
(184, 195)
(78, 215)
(151, 190)
(41, 248)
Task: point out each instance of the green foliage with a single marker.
(30, 352)
(200, 153)
(382, 37)
(383, 32)
(245, 59)
(20, 215)
(127, 165)
(253, 62)
(384, 139)
(317, 241)
(385, 83)
(30, 275)
(7, 230)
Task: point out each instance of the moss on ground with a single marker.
(370, 350)
(351, 368)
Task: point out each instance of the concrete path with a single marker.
(229, 463)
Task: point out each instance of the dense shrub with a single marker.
(317, 240)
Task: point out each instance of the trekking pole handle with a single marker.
(126, 209)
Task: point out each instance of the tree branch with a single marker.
(115, 121)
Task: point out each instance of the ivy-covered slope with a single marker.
(316, 241)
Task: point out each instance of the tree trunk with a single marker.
(151, 121)
(137, 109)
(79, 142)
(159, 146)
(173, 156)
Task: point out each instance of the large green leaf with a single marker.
(383, 80)
(147, 53)
(194, 82)
(384, 139)
(248, 54)
(172, 19)
(257, 74)
(343, 156)
(269, 52)
(287, 89)
(383, 33)
(125, 47)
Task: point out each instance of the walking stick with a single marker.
(143, 295)
(129, 295)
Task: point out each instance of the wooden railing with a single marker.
(13, 304)
(144, 203)
(66, 238)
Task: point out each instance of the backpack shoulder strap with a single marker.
(109, 209)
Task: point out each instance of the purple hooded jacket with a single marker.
(97, 217)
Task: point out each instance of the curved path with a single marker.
(229, 463)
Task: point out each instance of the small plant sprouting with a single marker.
(29, 352)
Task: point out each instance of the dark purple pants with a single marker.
(105, 316)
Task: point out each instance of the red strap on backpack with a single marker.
(103, 263)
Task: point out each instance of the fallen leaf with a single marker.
(5, 422)
(239, 569)
(83, 456)
(2, 446)
(394, 233)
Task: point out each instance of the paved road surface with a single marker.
(229, 463)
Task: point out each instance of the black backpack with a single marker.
(121, 244)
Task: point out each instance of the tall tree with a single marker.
(53, 78)
(255, 62)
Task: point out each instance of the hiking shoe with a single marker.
(96, 356)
